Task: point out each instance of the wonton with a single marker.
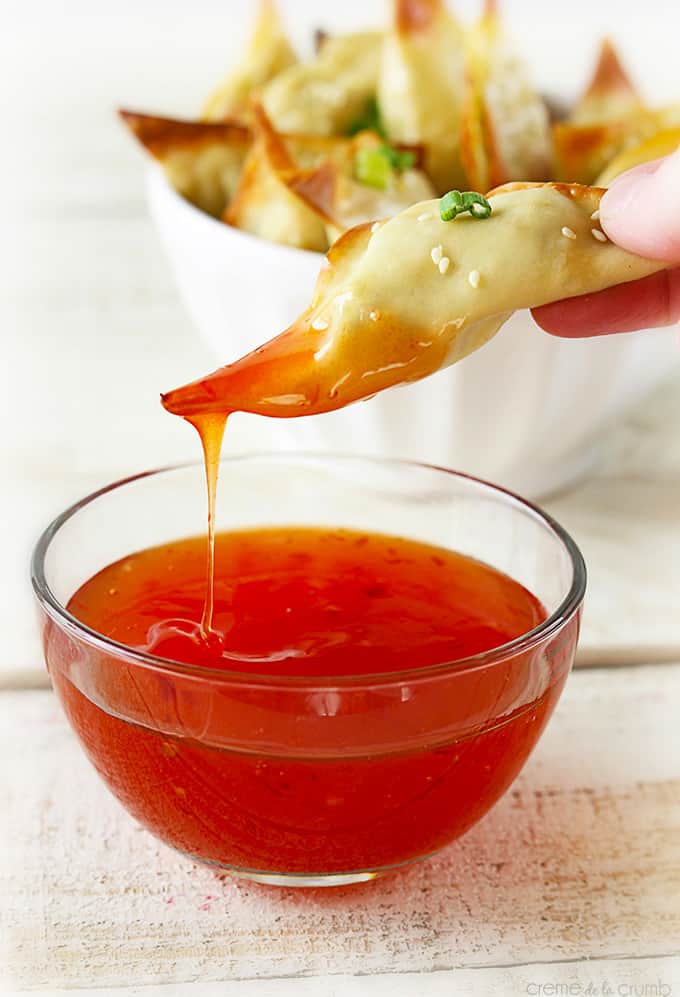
(505, 130)
(326, 95)
(264, 204)
(610, 118)
(366, 330)
(422, 79)
(268, 53)
(344, 201)
(203, 162)
(304, 192)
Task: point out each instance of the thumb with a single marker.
(641, 210)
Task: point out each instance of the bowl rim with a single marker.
(559, 618)
(159, 185)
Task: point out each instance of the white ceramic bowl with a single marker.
(526, 411)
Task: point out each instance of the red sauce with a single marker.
(343, 779)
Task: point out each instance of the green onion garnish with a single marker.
(457, 202)
(398, 159)
(370, 120)
(374, 166)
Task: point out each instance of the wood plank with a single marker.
(592, 977)
(581, 860)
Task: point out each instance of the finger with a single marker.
(643, 304)
(641, 210)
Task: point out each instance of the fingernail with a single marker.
(640, 210)
(625, 189)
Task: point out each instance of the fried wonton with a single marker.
(366, 330)
(421, 86)
(356, 203)
(609, 118)
(268, 53)
(326, 95)
(583, 152)
(336, 194)
(264, 203)
(610, 95)
(505, 127)
(202, 161)
(310, 151)
(662, 144)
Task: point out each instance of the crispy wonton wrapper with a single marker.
(609, 119)
(203, 162)
(505, 127)
(610, 95)
(344, 202)
(301, 191)
(268, 53)
(421, 85)
(264, 203)
(582, 153)
(662, 144)
(326, 95)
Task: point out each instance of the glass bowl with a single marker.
(341, 779)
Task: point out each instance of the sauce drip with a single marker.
(210, 427)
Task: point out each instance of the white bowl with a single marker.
(526, 411)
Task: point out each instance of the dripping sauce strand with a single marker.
(210, 428)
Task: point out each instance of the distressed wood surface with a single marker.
(653, 977)
(580, 860)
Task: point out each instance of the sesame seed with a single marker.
(595, 215)
(474, 278)
(444, 264)
(375, 226)
(568, 233)
(424, 217)
(436, 253)
(319, 324)
(600, 236)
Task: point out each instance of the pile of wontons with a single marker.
(298, 152)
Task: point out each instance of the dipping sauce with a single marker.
(306, 603)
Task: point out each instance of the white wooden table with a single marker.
(573, 880)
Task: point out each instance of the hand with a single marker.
(640, 212)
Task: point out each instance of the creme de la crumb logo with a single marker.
(605, 988)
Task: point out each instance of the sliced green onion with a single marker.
(370, 120)
(457, 202)
(399, 159)
(372, 167)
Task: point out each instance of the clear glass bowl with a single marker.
(340, 779)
